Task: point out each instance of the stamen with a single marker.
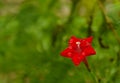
(78, 44)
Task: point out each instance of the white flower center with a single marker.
(78, 44)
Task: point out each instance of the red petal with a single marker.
(77, 59)
(89, 39)
(89, 51)
(72, 40)
(84, 44)
(67, 53)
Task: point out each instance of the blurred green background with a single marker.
(34, 32)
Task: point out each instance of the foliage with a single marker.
(34, 32)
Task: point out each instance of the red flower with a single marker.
(78, 49)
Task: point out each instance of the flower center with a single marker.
(78, 44)
(78, 47)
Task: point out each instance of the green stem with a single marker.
(94, 76)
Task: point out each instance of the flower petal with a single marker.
(77, 59)
(72, 39)
(89, 39)
(89, 51)
(67, 53)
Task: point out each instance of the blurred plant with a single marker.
(32, 33)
